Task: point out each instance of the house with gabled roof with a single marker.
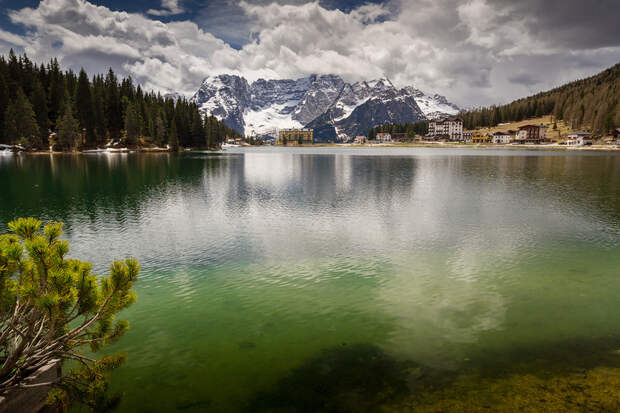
(532, 134)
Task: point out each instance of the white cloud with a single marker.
(164, 56)
(12, 39)
(168, 8)
(473, 51)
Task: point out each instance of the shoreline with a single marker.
(443, 145)
(105, 152)
(592, 148)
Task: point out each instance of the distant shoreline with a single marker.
(604, 148)
(593, 148)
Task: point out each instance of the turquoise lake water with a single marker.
(256, 261)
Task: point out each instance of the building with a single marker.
(359, 140)
(579, 138)
(531, 134)
(502, 138)
(480, 137)
(448, 127)
(468, 136)
(295, 137)
(384, 137)
(400, 137)
(232, 141)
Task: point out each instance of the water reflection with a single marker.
(255, 261)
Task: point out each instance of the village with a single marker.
(449, 130)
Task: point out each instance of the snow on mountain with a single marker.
(265, 121)
(225, 97)
(318, 98)
(271, 104)
(334, 108)
(434, 106)
(357, 94)
(378, 103)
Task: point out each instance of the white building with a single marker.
(384, 137)
(450, 127)
(579, 138)
(532, 134)
(502, 138)
(359, 140)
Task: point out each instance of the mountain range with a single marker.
(335, 109)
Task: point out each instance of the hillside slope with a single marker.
(591, 103)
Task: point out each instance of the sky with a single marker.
(474, 52)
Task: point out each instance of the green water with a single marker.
(255, 262)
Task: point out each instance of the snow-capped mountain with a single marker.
(336, 110)
(434, 106)
(363, 105)
(323, 91)
(226, 97)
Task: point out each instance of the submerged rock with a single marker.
(352, 378)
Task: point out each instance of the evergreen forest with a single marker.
(590, 103)
(43, 105)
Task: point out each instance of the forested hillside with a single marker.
(42, 105)
(590, 103)
(411, 129)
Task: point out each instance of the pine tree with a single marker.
(99, 109)
(209, 140)
(132, 123)
(149, 128)
(56, 93)
(73, 308)
(197, 131)
(14, 74)
(113, 107)
(4, 103)
(213, 131)
(21, 125)
(160, 131)
(39, 105)
(67, 130)
(173, 138)
(84, 107)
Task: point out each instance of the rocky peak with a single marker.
(325, 102)
(321, 94)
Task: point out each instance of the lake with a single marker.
(259, 262)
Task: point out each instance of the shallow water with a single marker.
(256, 261)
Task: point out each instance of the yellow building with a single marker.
(295, 137)
(480, 137)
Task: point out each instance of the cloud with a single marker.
(168, 8)
(524, 78)
(569, 24)
(12, 39)
(163, 56)
(473, 51)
